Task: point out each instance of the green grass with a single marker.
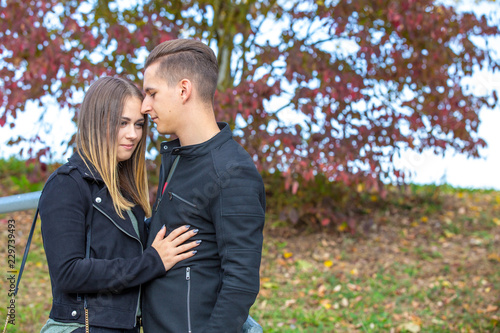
(440, 273)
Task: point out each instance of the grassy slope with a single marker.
(432, 266)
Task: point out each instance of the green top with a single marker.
(134, 222)
(53, 326)
(136, 228)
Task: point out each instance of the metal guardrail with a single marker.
(19, 202)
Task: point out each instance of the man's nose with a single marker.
(146, 106)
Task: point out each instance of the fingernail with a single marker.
(198, 241)
(187, 226)
(194, 252)
(195, 231)
(163, 227)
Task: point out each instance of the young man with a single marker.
(209, 181)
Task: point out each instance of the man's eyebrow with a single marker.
(148, 90)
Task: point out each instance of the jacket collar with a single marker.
(105, 202)
(203, 148)
(86, 170)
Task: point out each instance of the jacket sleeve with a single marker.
(238, 214)
(63, 207)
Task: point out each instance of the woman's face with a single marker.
(131, 127)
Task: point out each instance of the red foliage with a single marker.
(365, 78)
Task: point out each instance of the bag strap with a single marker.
(26, 250)
(87, 256)
(23, 262)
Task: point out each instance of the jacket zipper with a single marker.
(158, 203)
(142, 251)
(170, 173)
(171, 195)
(188, 279)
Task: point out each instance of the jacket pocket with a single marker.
(188, 297)
(172, 195)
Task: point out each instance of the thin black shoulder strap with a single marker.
(26, 250)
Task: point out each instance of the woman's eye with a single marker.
(139, 125)
(123, 123)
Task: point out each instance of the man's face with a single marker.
(161, 102)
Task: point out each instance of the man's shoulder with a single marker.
(232, 152)
(235, 165)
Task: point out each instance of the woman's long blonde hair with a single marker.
(96, 141)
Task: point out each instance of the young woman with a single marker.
(92, 210)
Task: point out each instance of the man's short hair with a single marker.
(187, 59)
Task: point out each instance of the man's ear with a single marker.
(186, 89)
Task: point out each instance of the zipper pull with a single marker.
(188, 273)
(170, 195)
(158, 203)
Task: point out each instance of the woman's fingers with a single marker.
(183, 256)
(172, 255)
(161, 234)
(172, 248)
(180, 235)
(186, 247)
(177, 232)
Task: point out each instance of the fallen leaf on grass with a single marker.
(353, 287)
(304, 265)
(494, 257)
(321, 290)
(328, 263)
(416, 320)
(446, 284)
(437, 321)
(389, 306)
(266, 293)
(325, 303)
(358, 299)
(489, 308)
(409, 327)
(496, 221)
(270, 285)
(342, 227)
(344, 302)
(287, 255)
(281, 262)
(448, 234)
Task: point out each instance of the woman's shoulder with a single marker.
(63, 172)
(64, 186)
(66, 179)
